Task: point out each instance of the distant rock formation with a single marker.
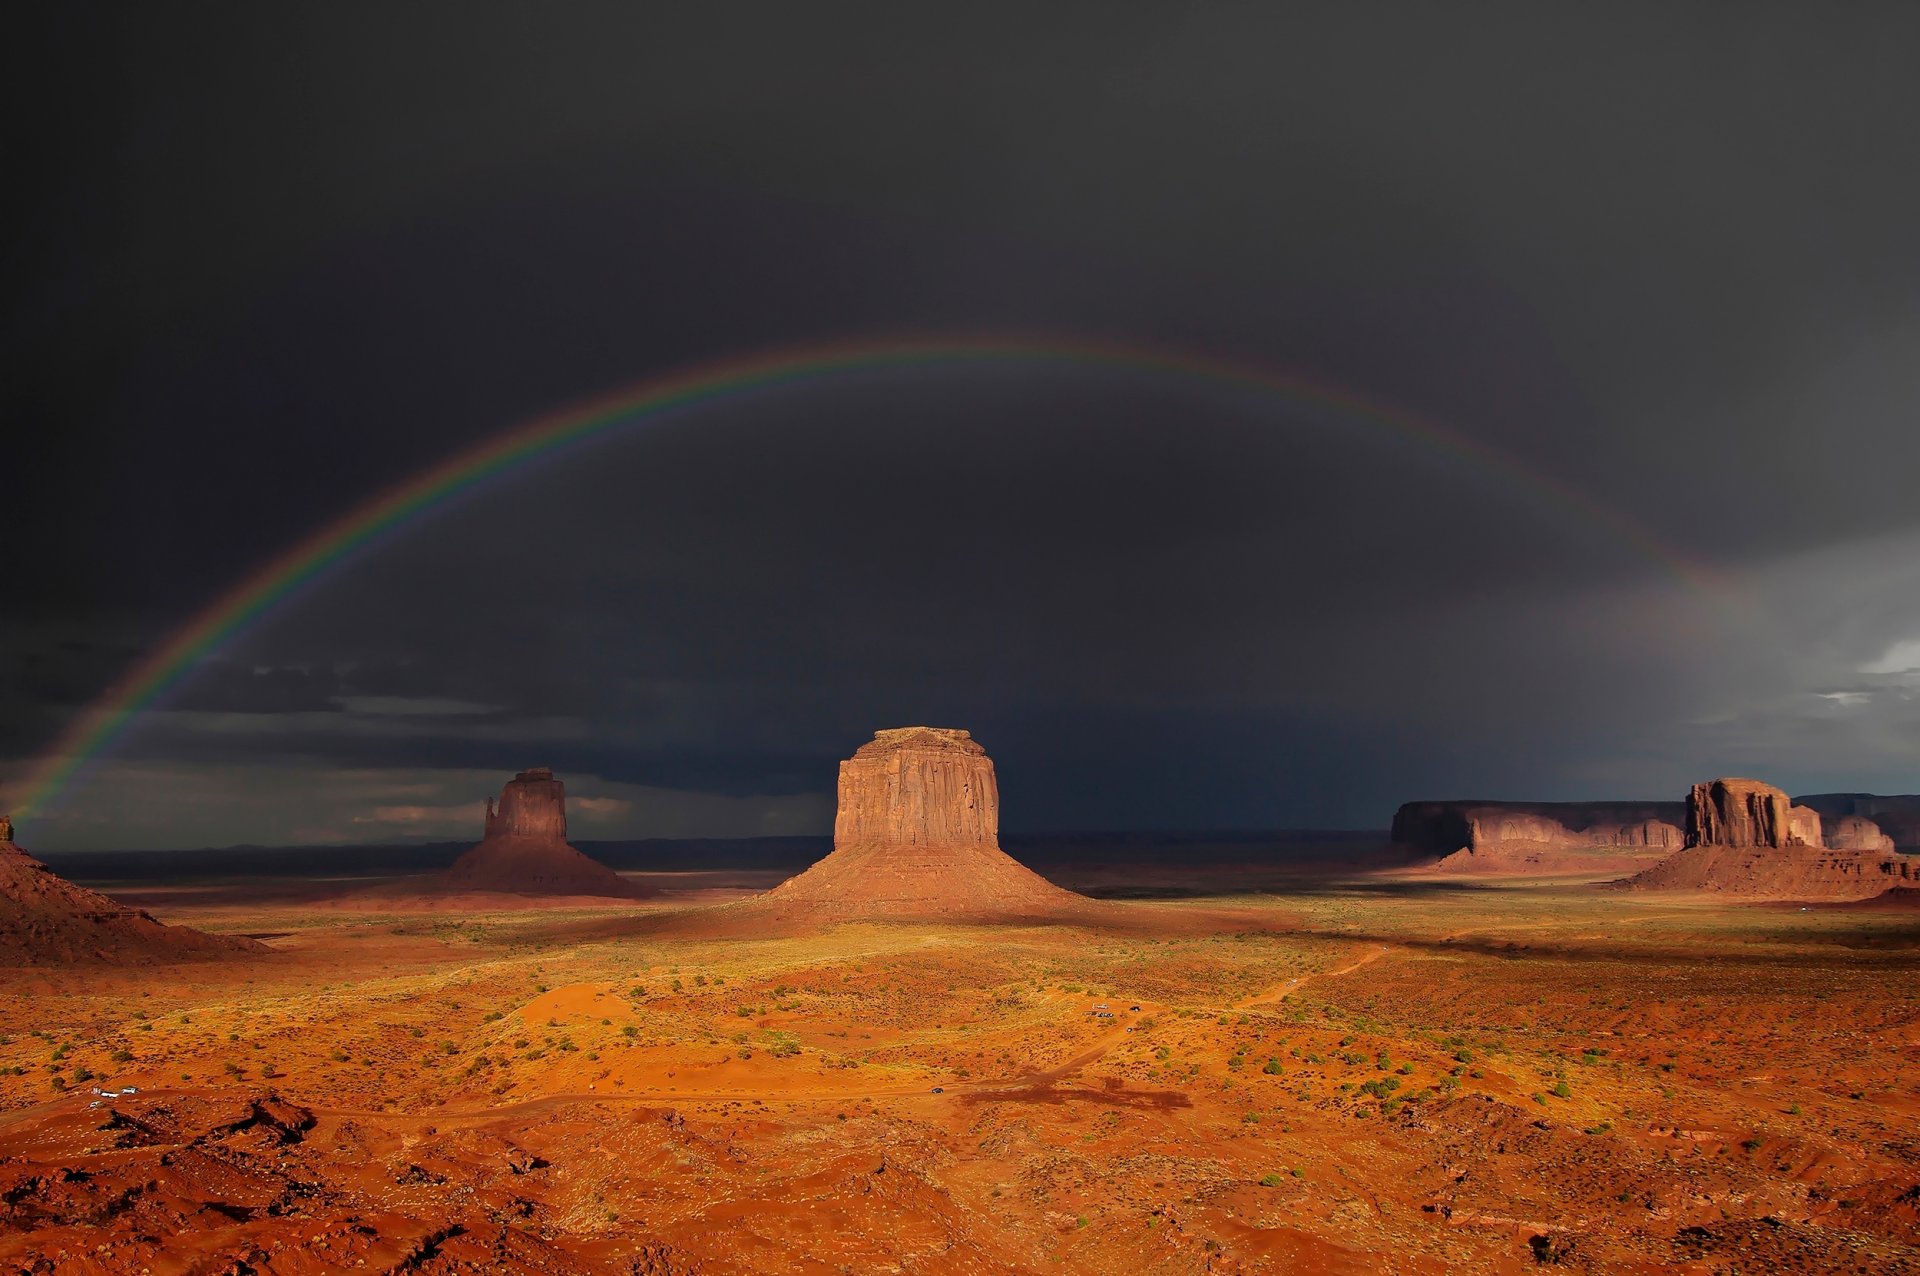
(1734, 812)
(1858, 833)
(525, 851)
(1897, 815)
(917, 835)
(45, 920)
(1539, 837)
(1748, 838)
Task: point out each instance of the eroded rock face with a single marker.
(917, 835)
(1858, 833)
(525, 850)
(1897, 815)
(533, 804)
(1735, 812)
(1447, 826)
(1747, 838)
(1803, 826)
(918, 785)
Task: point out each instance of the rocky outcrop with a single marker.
(1748, 839)
(1897, 815)
(1539, 837)
(525, 851)
(917, 835)
(533, 804)
(1730, 812)
(45, 920)
(1792, 872)
(918, 786)
(1858, 833)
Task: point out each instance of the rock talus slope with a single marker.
(45, 920)
(525, 850)
(1747, 838)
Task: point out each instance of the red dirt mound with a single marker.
(46, 920)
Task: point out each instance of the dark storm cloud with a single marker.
(270, 262)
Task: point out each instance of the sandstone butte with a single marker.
(45, 920)
(1748, 838)
(917, 834)
(525, 851)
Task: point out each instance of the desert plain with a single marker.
(1298, 1064)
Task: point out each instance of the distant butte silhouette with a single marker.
(525, 850)
(918, 835)
(45, 920)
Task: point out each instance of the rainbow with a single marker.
(101, 724)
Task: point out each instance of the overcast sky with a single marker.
(263, 263)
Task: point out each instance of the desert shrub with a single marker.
(1273, 1068)
(1561, 1090)
(1271, 1180)
(121, 1056)
(629, 1031)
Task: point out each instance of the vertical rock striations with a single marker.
(1749, 839)
(918, 786)
(917, 834)
(1737, 813)
(533, 804)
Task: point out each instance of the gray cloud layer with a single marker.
(1666, 258)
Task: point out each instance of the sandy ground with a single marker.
(1368, 1076)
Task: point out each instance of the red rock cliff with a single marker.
(917, 835)
(918, 785)
(533, 804)
(1858, 833)
(1734, 812)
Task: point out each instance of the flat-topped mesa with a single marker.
(1748, 813)
(918, 835)
(525, 850)
(1897, 815)
(1539, 837)
(918, 785)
